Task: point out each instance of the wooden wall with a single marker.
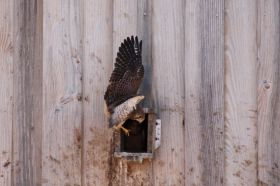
(212, 73)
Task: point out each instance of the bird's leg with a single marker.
(126, 131)
(116, 130)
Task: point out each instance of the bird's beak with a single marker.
(141, 120)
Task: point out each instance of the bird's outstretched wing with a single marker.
(127, 74)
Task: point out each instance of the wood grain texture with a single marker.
(240, 92)
(98, 40)
(212, 74)
(144, 31)
(168, 82)
(204, 92)
(132, 17)
(125, 22)
(6, 90)
(27, 93)
(268, 93)
(62, 90)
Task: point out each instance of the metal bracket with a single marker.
(157, 134)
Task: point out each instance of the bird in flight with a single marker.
(121, 99)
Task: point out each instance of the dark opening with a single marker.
(138, 136)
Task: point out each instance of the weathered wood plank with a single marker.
(6, 90)
(98, 40)
(204, 92)
(240, 92)
(144, 31)
(62, 90)
(268, 92)
(125, 22)
(133, 18)
(168, 83)
(27, 93)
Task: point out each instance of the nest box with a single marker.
(143, 139)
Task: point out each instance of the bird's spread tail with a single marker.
(139, 98)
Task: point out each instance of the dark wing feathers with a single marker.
(127, 74)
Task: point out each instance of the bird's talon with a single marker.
(125, 131)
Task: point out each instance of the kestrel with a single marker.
(121, 99)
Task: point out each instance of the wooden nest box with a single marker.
(143, 139)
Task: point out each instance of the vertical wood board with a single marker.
(27, 93)
(240, 92)
(62, 90)
(168, 82)
(268, 93)
(97, 65)
(6, 90)
(204, 93)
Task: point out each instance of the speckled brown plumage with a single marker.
(127, 74)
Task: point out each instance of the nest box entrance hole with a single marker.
(137, 141)
(141, 141)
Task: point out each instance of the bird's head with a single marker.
(138, 115)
